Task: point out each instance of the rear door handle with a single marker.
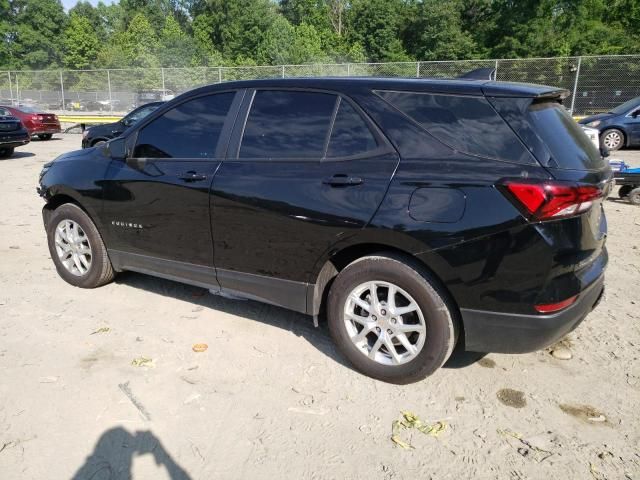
(192, 176)
(342, 180)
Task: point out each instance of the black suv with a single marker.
(100, 134)
(413, 214)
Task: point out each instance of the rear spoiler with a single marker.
(480, 74)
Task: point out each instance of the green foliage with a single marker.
(39, 34)
(81, 44)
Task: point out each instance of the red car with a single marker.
(40, 124)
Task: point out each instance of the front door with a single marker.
(157, 203)
(305, 170)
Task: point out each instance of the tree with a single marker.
(433, 31)
(375, 24)
(177, 48)
(36, 39)
(81, 43)
(135, 47)
(237, 27)
(285, 44)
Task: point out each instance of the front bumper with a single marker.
(486, 331)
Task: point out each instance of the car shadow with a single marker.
(113, 455)
(297, 323)
(17, 155)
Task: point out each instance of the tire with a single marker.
(624, 190)
(634, 196)
(45, 136)
(613, 139)
(99, 270)
(6, 152)
(411, 283)
(98, 143)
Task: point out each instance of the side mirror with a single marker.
(116, 148)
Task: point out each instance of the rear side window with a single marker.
(466, 123)
(287, 124)
(350, 134)
(569, 147)
(190, 130)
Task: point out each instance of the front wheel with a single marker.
(634, 196)
(77, 249)
(613, 139)
(6, 152)
(390, 319)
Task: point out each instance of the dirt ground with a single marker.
(271, 398)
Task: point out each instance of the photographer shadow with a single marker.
(113, 455)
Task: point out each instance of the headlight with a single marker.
(594, 124)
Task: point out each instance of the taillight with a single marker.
(555, 307)
(549, 200)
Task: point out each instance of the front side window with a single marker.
(189, 130)
(287, 124)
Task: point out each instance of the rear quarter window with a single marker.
(468, 124)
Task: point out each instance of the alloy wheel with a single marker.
(73, 247)
(384, 322)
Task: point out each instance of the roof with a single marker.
(431, 85)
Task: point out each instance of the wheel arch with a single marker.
(318, 291)
(63, 197)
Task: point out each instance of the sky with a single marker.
(70, 3)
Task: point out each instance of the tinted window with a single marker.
(468, 124)
(350, 134)
(570, 148)
(4, 112)
(285, 124)
(134, 117)
(190, 130)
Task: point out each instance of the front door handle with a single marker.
(192, 176)
(342, 180)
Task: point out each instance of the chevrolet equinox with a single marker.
(412, 214)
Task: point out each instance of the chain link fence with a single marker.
(596, 83)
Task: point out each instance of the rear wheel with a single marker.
(634, 196)
(77, 249)
(613, 139)
(624, 190)
(6, 152)
(98, 142)
(390, 320)
(45, 136)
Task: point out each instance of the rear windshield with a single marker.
(568, 145)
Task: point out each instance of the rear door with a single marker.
(156, 203)
(306, 168)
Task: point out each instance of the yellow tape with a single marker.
(87, 119)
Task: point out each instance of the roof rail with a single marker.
(480, 74)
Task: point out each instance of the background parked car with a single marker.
(619, 127)
(101, 133)
(38, 123)
(12, 133)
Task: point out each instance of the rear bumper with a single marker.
(45, 129)
(10, 141)
(486, 331)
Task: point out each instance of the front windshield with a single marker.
(4, 112)
(623, 108)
